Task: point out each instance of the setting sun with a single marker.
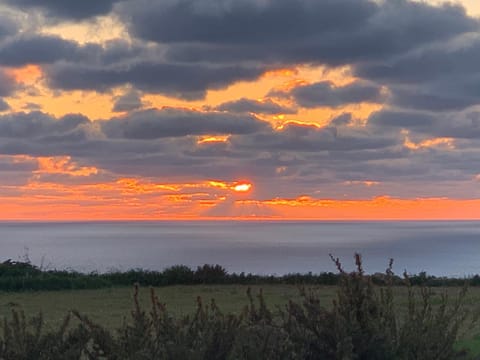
(242, 187)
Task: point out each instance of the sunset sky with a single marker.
(278, 109)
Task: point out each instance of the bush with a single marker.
(18, 268)
(210, 274)
(208, 334)
(28, 339)
(178, 274)
(364, 322)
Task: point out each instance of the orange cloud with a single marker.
(208, 139)
(63, 165)
(429, 143)
(27, 74)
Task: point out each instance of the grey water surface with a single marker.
(440, 248)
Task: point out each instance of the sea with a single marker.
(440, 248)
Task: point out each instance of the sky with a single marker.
(243, 109)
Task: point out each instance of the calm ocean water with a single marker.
(440, 248)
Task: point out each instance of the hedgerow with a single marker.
(23, 276)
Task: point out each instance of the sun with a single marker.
(242, 187)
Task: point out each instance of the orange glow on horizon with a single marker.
(109, 205)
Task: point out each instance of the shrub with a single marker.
(18, 268)
(208, 334)
(208, 274)
(178, 274)
(28, 340)
(364, 322)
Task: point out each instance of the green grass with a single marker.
(110, 306)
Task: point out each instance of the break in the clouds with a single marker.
(342, 99)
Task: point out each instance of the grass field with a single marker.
(111, 306)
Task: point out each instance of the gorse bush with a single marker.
(208, 334)
(363, 323)
(23, 339)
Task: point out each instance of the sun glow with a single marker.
(242, 187)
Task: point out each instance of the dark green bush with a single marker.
(23, 276)
(23, 339)
(210, 274)
(178, 274)
(365, 322)
(18, 268)
(208, 334)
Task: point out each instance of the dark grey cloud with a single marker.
(4, 105)
(30, 48)
(432, 99)
(326, 94)
(36, 49)
(37, 124)
(189, 81)
(242, 22)
(310, 138)
(422, 126)
(402, 119)
(341, 120)
(66, 9)
(7, 84)
(281, 31)
(14, 173)
(426, 65)
(154, 124)
(7, 26)
(70, 66)
(130, 101)
(439, 78)
(245, 105)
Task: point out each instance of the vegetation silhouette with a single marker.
(363, 322)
